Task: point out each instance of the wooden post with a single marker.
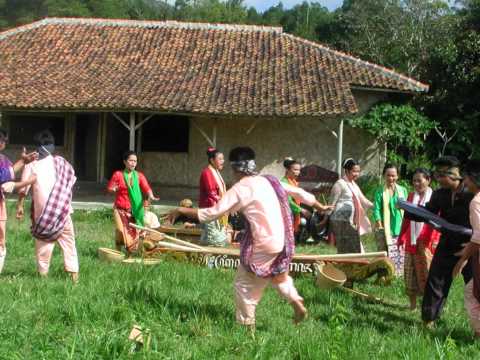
(132, 131)
(340, 148)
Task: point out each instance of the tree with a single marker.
(401, 128)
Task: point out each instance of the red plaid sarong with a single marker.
(51, 222)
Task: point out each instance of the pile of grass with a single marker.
(190, 312)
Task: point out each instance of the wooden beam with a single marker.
(121, 120)
(340, 148)
(144, 121)
(252, 127)
(214, 140)
(132, 132)
(204, 134)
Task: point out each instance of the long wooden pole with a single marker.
(171, 238)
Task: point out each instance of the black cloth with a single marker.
(455, 210)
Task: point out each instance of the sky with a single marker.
(263, 5)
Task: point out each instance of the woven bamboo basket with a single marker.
(328, 276)
(110, 255)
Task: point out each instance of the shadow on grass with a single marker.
(442, 332)
(178, 307)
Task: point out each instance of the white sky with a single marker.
(263, 5)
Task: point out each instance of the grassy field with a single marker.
(190, 313)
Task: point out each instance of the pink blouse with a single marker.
(475, 218)
(255, 198)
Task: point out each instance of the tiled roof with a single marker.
(100, 64)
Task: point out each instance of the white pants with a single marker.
(472, 306)
(249, 290)
(66, 241)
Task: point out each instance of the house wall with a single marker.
(309, 140)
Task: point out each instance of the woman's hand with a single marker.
(173, 216)
(306, 214)
(152, 197)
(323, 208)
(379, 225)
(8, 187)
(20, 212)
(28, 158)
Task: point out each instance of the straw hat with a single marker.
(328, 276)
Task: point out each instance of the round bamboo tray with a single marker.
(146, 261)
(329, 277)
(110, 255)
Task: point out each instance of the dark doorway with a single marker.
(117, 142)
(86, 150)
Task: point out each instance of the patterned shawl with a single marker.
(282, 261)
(54, 215)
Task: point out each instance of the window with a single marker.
(22, 128)
(166, 133)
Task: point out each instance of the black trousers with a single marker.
(439, 281)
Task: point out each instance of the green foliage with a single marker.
(400, 127)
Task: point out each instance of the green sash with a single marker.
(136, 198)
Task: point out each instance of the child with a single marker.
(150, 219)
(418, 239)
(53, 180)
(471, 250)
(388, 217)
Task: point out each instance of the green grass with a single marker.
(190, 312)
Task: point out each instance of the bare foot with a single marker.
(74, 277)
(413, 302)
(429, 324)
(300, 311)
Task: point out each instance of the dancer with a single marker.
(349, 219)
(388, 218)
(267, 245)
(418, 239)
(471, 250)
(212, 189)
(7, 182)
(452, 202)
(128, 186)
(292, 171)
(52, 185)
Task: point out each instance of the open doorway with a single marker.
(86, 147)
(117, 142)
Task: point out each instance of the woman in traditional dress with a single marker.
(388, 217)
(349, 219)
(267, 245)
(292, 171)
(212, 188)
(129, 186)
(472, 249)
(7, 182)
(418, 239)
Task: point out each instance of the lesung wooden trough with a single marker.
(355, 266)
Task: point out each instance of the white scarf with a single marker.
(416, 227)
